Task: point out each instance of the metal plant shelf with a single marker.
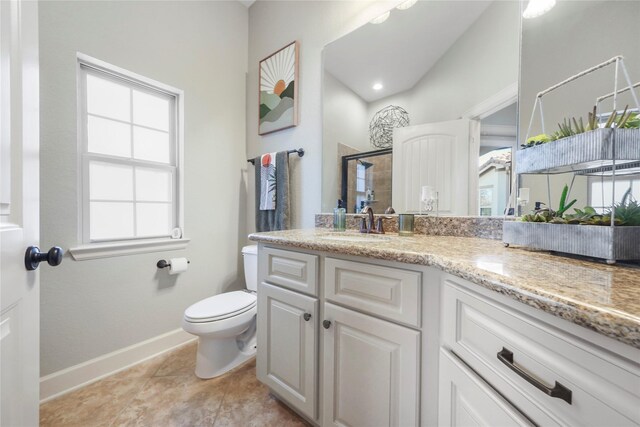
(587, 151)
(610, 243)
(600, 152)
(632, 168)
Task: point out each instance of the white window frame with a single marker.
(634, 181)
(480, 205)
(89, 249)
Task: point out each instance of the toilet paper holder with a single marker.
(163, 263)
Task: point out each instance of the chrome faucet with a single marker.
(369, 227)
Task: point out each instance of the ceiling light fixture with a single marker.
(537, 8)
(380, 19)
(406, 5)
(377, 86)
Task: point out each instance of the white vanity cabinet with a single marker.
(371, 366)
(371, 369)
(553, 377)
(361, 322)
(353, 341)
(288, 346)
(288, 322)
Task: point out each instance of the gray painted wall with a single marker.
(345, 121)
(272, 25)
(90, 308)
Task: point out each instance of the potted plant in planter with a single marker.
(578, 146)
(584, 232)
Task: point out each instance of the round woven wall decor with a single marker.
(382, 124)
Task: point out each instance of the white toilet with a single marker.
(226, 324)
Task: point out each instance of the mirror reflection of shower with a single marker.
(366, 180)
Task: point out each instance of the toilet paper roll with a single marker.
(178, 265)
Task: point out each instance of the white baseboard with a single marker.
(74, 377)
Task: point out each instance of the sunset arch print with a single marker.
(278, 80)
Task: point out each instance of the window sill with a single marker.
(108, 250)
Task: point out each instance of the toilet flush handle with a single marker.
(306, 316)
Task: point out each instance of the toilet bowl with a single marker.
(226, 324)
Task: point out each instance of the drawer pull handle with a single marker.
(306, 317)
(326, 324)
(559, 391)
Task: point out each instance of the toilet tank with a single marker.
(250, 255)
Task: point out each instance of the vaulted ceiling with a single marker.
(398, 52)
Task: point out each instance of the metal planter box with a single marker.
(610, 243)
(589, 150)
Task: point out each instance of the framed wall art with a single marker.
(278, 81)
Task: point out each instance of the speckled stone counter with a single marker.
(597, 296)
(487, 227)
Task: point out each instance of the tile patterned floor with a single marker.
(164, 391)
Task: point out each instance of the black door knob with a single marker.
(326, 324)
(306, 317)
(33, 257)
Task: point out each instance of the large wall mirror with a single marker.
(453, 67)
(570, 38)
(427, 98)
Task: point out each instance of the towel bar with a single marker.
(300, 152)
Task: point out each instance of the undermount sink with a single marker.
(356, 238)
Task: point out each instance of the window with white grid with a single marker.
(130, 151)
(601, 192)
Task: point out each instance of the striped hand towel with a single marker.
(268, 182)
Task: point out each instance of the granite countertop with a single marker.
(600, 297)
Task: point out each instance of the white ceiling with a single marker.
(398, 52)
(247, 3)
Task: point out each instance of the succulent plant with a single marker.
(570, 127)
(627, 212)
(623, 120)
(593, 119)
(558, 220)
(549, 215)
(566, 130)
(633, 121)
(582, 216)
(563, 205)
(543, 138)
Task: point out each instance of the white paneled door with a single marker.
(442, 155)
(19, 192)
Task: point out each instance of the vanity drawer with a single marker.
(293, 270)
(604, 390)
(385, 292)
(467, 400)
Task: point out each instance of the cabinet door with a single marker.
(287, 346)
(371, 371)
(466, 400)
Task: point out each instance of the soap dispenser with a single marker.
(339, 217)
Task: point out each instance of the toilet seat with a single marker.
(219, 307)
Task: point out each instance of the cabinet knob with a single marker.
(306, 317)
(326, 324)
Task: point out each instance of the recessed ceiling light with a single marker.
(380, 19)
(537, 8)
(406, 5)
(377, 86)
